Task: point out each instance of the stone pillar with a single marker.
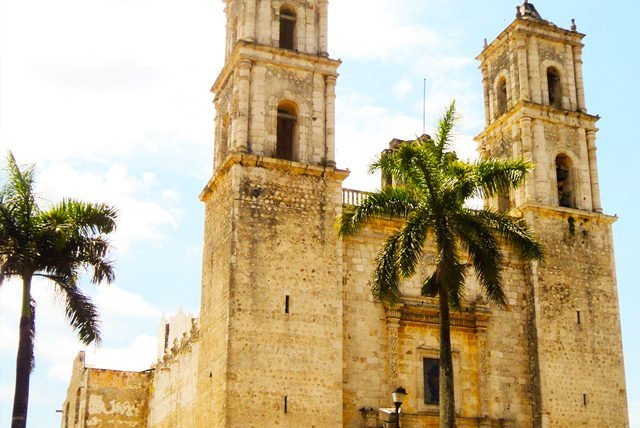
(523, 71)
(323, 28)
(330, 120)
(527, 152)
(512, 93)
(486, 88)
(534, 70)
(577, 60)
(393, 324)
(240, 131)
(484, 377)
(593, 171)
(582, 176)
(542, 169)
(249, 25)
(571, 79)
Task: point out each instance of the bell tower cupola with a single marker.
(535, 108)
(275, 95)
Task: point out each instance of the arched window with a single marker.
(286, 138)
(565, 181)
(502, 96)
(555, 87)
(287, 28)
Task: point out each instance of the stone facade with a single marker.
(289, 334)
(106, 398)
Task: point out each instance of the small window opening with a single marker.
(286, 404)
(287, 28)
(502, 96)
(584, 399)
(166, 336)
(286, 304)
(555, 87)
(564, 181)
(286, 133)
(431, 368)
(578, 317)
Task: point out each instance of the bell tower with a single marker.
(276, 93)
(535, 108)
(271, 312)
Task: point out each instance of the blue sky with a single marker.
(110, 99)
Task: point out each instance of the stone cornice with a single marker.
(544, 112)
(529, 27)
(426, 311)
(255, 52)
(562, 212)
(254, 161)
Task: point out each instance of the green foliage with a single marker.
(434, 186)
(56, 243)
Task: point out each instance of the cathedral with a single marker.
(289, 334)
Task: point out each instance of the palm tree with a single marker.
(431, 188)
(56, 243)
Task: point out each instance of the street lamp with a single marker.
(398, 397)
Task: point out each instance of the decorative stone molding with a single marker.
(426, 311)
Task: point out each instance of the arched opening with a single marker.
(565, 181)
(286, 133)
(287, 28)
(502, 95)
(555, 87)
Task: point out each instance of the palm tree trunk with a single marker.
(24, 360)
(447, 398)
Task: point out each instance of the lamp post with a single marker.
(398, 397)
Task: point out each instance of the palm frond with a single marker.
(18, 195)
(88, 218)
(485, 254)
(81, 313)
(499, 176)
(385, 279)
(391, 202)
(444, 132)
(411, 241)
(514, 231)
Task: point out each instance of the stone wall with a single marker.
(384, 348)
(578, 326)
(105, 398)
(173, 392)
(283, 332)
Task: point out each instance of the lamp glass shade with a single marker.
(398, 395)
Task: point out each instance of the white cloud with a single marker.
(116, 302)
(378, 29)
(141, 214)
(403, 87)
